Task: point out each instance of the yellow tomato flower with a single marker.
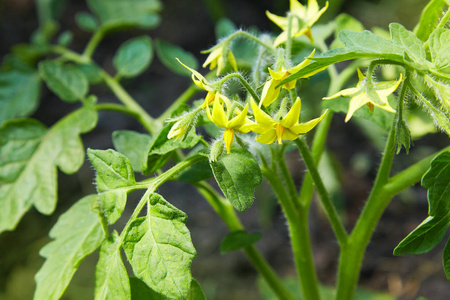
(239, 123)
(288, 128)
(178, 130)
(361, 95)
(216, 59)
(270, 91)
(302, 20)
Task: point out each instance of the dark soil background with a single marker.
(190, 24)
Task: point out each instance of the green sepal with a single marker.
(111, 278)
(66, 81)
(76, 234)
(431, 231)
(402, 136)
(133, 56)
(237, 240)
(159, 249)
(237, 174)
(30, 157)
(168, 53)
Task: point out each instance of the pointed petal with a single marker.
(344, 93)
(297, 8)
(355, 103)
(303, 64)
(239, 120)
(307, 126)
(290, 135)
(282, 38)
(270, 92)
(213, 56)
(218, 116)
(267, 137)
(282, 22)
(311, 19)
(279, 131)
(232, 61)
(261, 117)
(292, 116)
(198, 79)
(312, 8)
(277, 75)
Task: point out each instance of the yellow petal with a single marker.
(279, 131)
(261, 117)
(307, 126)
(198, 79)
(277, 75)
(232, 61)
(344, 93)
(208, 99)
(267, 137)
(239, 120)
(282, 22)
(270, 92)
(297, 8)
(312, 17)
(355, 103)
(292, 116)
(303, 64)
(213, 56)
(218, 116)
(290, 135)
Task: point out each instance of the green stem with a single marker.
(330, 210)
(148, 122)
(183, 98)
(286, 174)
(118, 108)
(289, 37)
(251, 37)
(411, 175)
(93, 43)
(299, 235)
(154, 184)
(352, 254)
(224, 209)
(243, 82)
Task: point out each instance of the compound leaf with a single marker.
(132, 144)
(429, 19)
(66, 81)
(111, 278)
(76, 234)
(160, 249)
(133, 56)
(237, 174)
(431, 231)
(29, 156)
(114, 14)
(440, 48)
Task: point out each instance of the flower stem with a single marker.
(243, 82)
(250, 37)
(183, 98)
(93, 43)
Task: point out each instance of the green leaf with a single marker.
(65, 81)
(114, 178)
(86, 21)
(140, 291)
(159, 149)
(133, 56)
(29, 157)
(440, 48)
(345, 22)
(412, 45)
(132, 144)
(19, 93)
(160, 249)
(429, 19)
(446, 259)
(76, 234)
(168, 53)
(111, 278)
(431, 231)
(237, 240)
(196, 172)
(237, 174)
(196, 292)
(91, 72)
(115, 14)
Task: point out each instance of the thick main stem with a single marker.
(299, 235)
